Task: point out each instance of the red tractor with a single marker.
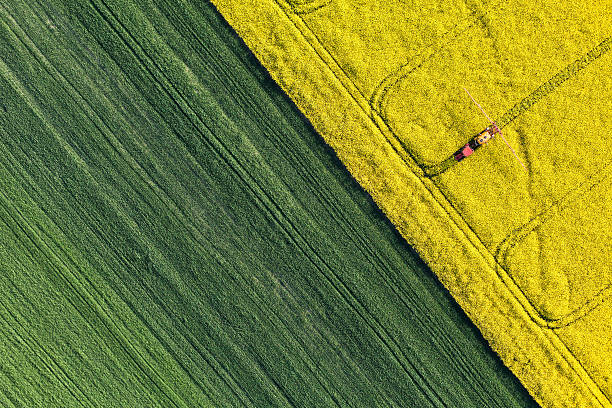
(475, 143)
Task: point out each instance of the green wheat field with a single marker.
(173, 233)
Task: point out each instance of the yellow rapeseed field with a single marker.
(521, 241)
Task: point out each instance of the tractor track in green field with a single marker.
(266, 202)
